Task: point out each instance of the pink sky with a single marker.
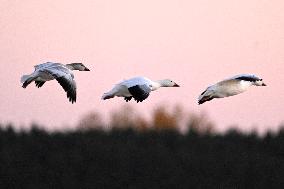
(195, 43)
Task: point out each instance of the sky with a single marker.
(194, 43)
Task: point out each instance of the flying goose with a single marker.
(138, 88)
(229, 87)
(62, 73)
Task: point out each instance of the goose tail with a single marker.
(24, 78)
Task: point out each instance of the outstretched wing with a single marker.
(69, 86)
(46, 65)
(65, 78)
(135, 81)
(140, 92)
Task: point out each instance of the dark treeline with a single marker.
(150, 159)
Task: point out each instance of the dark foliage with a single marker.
(127, 159)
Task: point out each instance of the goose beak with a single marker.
(86, 69)
(263, 84)
(176, 85)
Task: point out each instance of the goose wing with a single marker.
(46, 65)
(206, 95)
(136, 81)
(65, 78)
(138, 87)
(247, 77)
(140, 92)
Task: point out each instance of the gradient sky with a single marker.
(195, 43)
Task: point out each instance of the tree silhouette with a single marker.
(131, 159)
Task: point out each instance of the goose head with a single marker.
(259, 83)
(167, 83)
(77, 66)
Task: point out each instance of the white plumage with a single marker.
(62, 73)
(229, 87)
(138, 88)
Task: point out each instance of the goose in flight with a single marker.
(62, 73)
(138, 88)
(229, 87)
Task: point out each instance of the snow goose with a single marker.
(62, 73)
(229, 87)
(138, 88)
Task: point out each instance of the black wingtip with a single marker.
(25, 84)
(127, 99)
(200, 102)
(72, 99)
(39, 83)
(139, 100)
(204, 99)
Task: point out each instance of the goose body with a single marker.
(230, 87)
(61, 72)
(138, 88)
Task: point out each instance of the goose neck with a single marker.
(156, 85)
